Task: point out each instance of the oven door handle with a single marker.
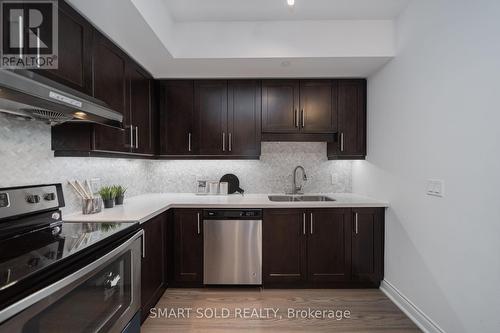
(39, 295)
(143, 242)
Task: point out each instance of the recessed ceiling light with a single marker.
(290, 2)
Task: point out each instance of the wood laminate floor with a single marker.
(255, 310)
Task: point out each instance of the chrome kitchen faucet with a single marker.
(298, 189)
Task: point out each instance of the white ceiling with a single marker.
(271, 10)
(325, 38)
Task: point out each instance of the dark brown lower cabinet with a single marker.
(337, 247)
(329, 245)
(368, 245)
(311, 248)
(188, 247)
(284, 247)
(153, 270)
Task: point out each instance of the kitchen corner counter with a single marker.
(142, 208)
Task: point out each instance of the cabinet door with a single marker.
(210, 106)
(280, 103)
(108, 68)
(284, 246)
(367, 244)
(188, 252)
(244, 103)
(318, 106)
(153, 278)
(329, 245)
(177, 118)
(75, 51)
(107, 138)
(141, 116)
(351, 139)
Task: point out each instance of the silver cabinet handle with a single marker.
(304, 223)
(296, 118)
(189, 141)
(342, 141)
(199, 227)
(230, 142)
(137, 137)
(312, 223)
(303, 118)
(284, 274)
(131, 136)
(223, 141)
(356, 222)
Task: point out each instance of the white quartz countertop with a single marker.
(141, 208)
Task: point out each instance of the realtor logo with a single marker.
(29, 33)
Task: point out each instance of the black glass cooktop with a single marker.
(22, 256)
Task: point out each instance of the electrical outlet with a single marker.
(334, 178)
(435, 187)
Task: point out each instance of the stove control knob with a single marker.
(50, 196)
(56, 231)
(33, 198)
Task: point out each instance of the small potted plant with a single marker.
(108, 196)
(120, 194)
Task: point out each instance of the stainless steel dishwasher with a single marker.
(232, 246)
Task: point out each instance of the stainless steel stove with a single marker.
(65, 277)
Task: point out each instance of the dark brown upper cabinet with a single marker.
(299, 110)
(136, 138)
(244, 118)
(177, 118)
(140, 118)
(75, 51)
(109, 74)
(350, 141)
(125, 87)
(280, 106)
(318, 106)
(210, 105)
(87, 139)
(210, 119)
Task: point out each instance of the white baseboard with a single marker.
(411, 310)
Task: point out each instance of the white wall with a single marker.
(433, 112)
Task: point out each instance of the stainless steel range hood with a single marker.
(30, 95)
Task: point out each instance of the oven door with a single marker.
(103, 296)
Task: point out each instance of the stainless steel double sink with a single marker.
(292, 198)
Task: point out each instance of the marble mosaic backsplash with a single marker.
(26, 158)
(271, 174)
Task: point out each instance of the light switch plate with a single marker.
(435, 187)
